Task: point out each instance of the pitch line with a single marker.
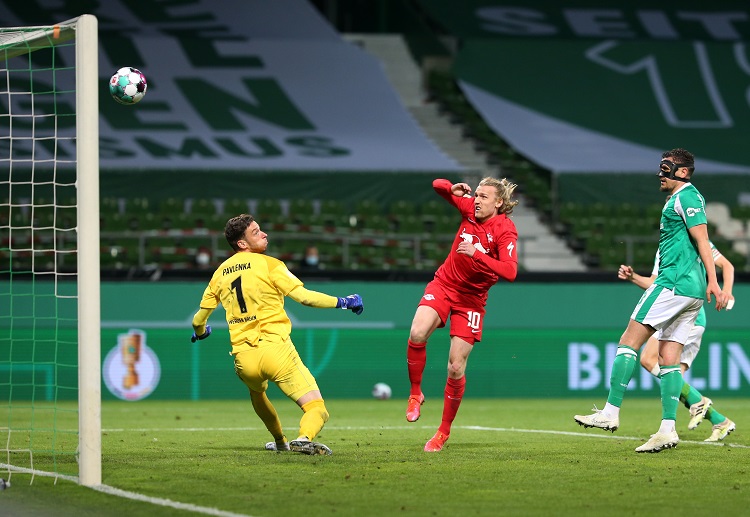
(117, 492)
(402, 427)
(592, 435)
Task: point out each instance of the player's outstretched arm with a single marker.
(310, 298)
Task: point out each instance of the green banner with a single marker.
(540, 340)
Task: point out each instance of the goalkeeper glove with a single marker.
(352, 302)
(202, 336)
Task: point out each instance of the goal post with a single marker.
(50, 343)
(89, 310)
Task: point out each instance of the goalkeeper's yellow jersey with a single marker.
(252, 287)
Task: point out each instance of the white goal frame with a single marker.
(28, 39)
(89, 288)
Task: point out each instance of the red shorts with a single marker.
(467, 316)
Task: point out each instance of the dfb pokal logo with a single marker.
(131, 369)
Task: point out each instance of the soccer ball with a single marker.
(128, 85)
(381, 391)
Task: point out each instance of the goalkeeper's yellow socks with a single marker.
(622, 371)
(267, 413)
(314, 418)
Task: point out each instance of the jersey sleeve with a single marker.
(691, 207)
(465, 205)
(210, 299)
(282, 278)
(716, 253)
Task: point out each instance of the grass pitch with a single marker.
(504, 457)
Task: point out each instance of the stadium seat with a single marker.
(401, 208)
(376, 224)
(430, 210)
(446, 224)
(203, 206)
(269, 211)
(137, 205)
(109, 205)
(411, 224)
(626, 211)
(571, 211)
(301, 210)
(114, 222)
(366, 207)
(235, 206)
(171, 205)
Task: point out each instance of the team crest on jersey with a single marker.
(474, 240)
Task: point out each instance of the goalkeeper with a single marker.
(251, 286)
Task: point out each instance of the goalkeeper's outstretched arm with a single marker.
(310, 298)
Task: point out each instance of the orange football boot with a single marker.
(436, 443)
(413, 407)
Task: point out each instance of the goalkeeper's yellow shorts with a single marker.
(273, 361)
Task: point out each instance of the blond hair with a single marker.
(504, 189)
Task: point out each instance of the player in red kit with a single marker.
(484, 251)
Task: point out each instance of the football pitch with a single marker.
(504, 457)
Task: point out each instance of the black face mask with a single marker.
(667, 170)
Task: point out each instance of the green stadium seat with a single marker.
(203, 207)
(235, 206)
(376, 224)
(570, 212)
(138, 205)
(113, 222)
(401, 208)
(269, 211)
(301, 210)
(433, 209)
(109, 205)
(331, 207)
(447, 224)
(366, 207)
(626, 211)
(411, 224)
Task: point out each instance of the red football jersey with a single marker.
(495, 241)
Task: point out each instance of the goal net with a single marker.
(50, 388)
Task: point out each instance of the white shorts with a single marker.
(672, 315)
(692, 346)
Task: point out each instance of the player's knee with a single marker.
(456, 369)
(418, 335)
(319, 407)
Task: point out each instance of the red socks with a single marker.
(454, 392)
(416, 358)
